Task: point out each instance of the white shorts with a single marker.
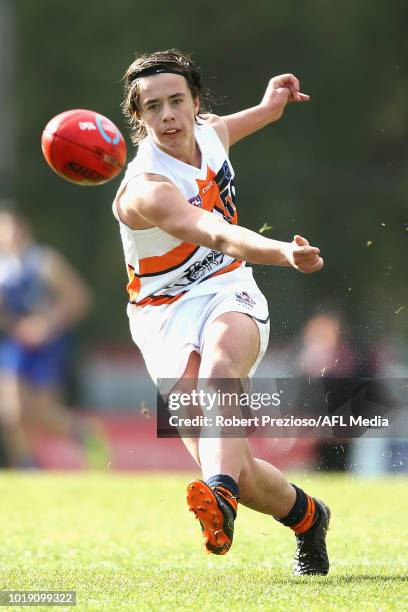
(166, 335)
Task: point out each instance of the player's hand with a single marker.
(303, 257)
(283, 88)
(32, 331)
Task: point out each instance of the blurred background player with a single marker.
(42, 298)
(327, 353)
(195, 310)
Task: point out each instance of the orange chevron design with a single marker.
(159, 300)
(171, 259)
(210, 195)
(210, 198)
(208, 191)
(231, 266)
(133, 285)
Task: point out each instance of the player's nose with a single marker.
(167, 113)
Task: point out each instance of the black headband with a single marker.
(158, 69)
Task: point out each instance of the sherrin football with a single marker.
(84, 147)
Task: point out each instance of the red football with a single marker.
(84, 147)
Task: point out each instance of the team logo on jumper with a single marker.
(201, 268)
(196, 201)
(245, 299)
(198, 270)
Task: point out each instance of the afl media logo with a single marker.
(245, 299)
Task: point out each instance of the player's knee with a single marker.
(219, 368)
(220, 393)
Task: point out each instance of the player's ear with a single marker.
(139, 119)
(196, 103)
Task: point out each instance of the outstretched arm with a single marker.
(162, 205)
(280, 91)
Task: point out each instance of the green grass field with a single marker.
(127, 542)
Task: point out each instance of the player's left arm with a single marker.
(71, 300)
(281, 90)
(72, 297)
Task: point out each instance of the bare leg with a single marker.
(43, 408)
(186, 384)
(262, 486)
(14, 439)
(231, 347)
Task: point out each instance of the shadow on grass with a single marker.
(277, 578)
(334, 580)
(364, 578)
(330, 581)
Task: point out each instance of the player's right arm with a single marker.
(156, 202)
(280, 91)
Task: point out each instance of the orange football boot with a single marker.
(216, 509)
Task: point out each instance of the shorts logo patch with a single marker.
(245, 299)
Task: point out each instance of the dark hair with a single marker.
(175, 61)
